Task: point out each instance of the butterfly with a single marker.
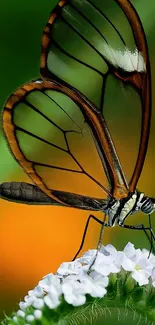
(55, 126)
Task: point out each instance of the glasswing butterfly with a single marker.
(55, 126)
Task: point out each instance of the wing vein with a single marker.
(38, 138)
(84, 172)
(56, 167)
(84, 39)
(63, 110)
(42, 114)
(89, 21)
(76, 59)
(107, 19)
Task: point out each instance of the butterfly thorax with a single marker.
(119, 210)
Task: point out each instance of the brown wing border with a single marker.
(9, 131)
(142, 82)
(46, 39)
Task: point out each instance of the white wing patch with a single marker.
(127, 60)
(39, 81)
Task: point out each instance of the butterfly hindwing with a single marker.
(47, 129)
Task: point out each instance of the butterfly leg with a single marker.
(152, 236)
(85, 231)
(141, 227)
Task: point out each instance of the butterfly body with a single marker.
(119, 210)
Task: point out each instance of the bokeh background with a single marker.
(35, 240)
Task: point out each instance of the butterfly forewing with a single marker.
(85, 42)
(51, 138)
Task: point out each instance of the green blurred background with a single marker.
(35, 240)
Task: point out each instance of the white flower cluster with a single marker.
(75, 279)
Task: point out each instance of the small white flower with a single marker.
(125, 262)
(38, 314)
(130, 251)
(74, 292)
(38, 303)
(21, 313)
(88, 257)
(29, 300)
(89, 254)
(15, 319)
(141, 277)
(50, 281)
(95, 284)
(30, 318)
(105, 263)
(67, 268)
(23, 305)
(137, 263)
(110, 251)
(36, 292)
(51, 300)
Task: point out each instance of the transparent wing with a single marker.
(86, 43)
(49, 132)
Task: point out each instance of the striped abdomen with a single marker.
(24, 193)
